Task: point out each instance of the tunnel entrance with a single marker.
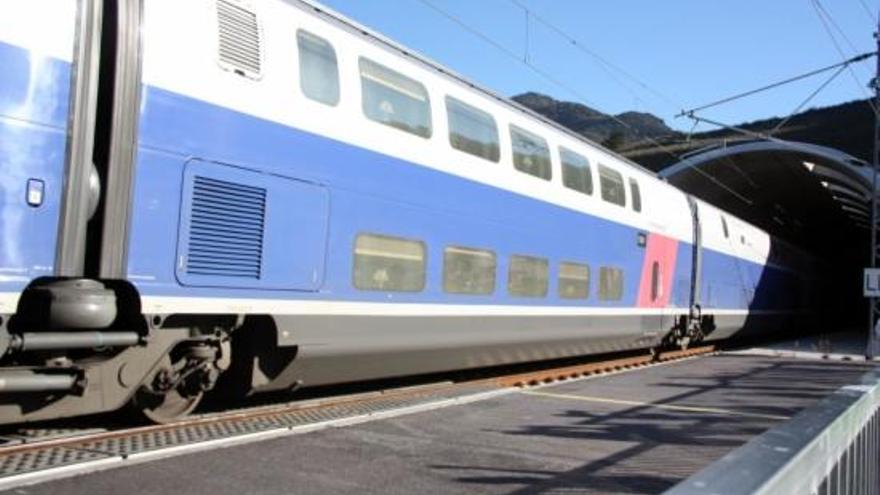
(814, 197)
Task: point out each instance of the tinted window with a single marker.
(574, 281)
(610, 284)
(527, 276)
(472, 130)
(394, 99)
(468, 271)
(611, 183)
(318, 73)
(635, 195)
(655, 281)
(530, 153)
(388, 263)
(576, 171)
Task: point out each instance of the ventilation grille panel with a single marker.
(226, 229)
(240, 40)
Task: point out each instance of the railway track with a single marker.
(53, 453)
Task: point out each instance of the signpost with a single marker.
(871, 287)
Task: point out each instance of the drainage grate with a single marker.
(123, 445)
(47, 458)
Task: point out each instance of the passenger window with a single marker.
(574, 281)
(318, 72)
(527, 276)
(635, 195)
(530, 153)
(389, 263)
(611, 184)
(610, 284)
(468, 271)
(655, 281)
(395, 100)
(576, 172)
(472, 130)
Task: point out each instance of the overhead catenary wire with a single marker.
(807, 100)
(825, 18)
(871, 15)
(606, 65)
(857, 58)
(565, 87)
(544, 74)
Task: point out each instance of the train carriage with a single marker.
(262, 194)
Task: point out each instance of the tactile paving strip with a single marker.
(124, 445)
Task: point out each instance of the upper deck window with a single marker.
(394, 99)
(635, 194)
(472, 130)
(576, 173)
(611, 183)
(318, 71)
(530, 153)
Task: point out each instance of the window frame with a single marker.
(424, 263)
(635, 194)
(531, 136)
(314, 37)
(451, 101)
(559, 278)
(544, 262)
(610, 175)
(614, 296)
(563, 151)
(476, 251)
(366, 110)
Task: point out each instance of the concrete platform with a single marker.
(640, 431)
(846, 346)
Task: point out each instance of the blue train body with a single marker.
(250, 238)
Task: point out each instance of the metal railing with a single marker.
(831, 448)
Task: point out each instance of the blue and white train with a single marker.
(254, 195)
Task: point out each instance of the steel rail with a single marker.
(39, 458)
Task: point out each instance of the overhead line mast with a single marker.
(872, 350)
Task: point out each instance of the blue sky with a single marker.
(689, 51)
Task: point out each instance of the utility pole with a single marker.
(871, 352)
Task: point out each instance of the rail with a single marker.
(831, 448)
(52, 454)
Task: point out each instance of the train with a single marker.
(243, 196)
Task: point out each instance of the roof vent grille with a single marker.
(240, 38)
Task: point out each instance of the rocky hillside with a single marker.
(848, 127)
(595, 125)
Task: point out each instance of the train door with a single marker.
(655, 286)
(46, 114)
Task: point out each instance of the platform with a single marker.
(639, 431)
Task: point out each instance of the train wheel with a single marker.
(174, 390)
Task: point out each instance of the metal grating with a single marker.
(37, 460)
(124, 445)
(239, 38)
(226, 229)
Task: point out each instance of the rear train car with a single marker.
(282, 198)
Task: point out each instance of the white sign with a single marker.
(872, 282)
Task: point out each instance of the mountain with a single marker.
(848, 127)
(595, 125)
